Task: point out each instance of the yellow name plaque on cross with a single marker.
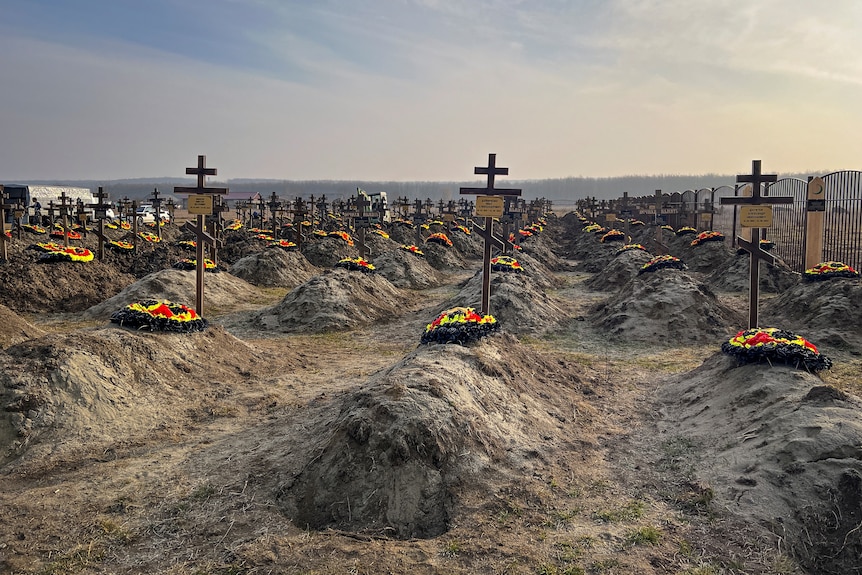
(489, 206)
(200, 204)
(755, 216)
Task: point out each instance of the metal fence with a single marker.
(842, 230)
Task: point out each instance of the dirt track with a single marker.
(564, 447)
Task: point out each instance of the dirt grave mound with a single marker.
(406, 270)
(542, 249)
(334, 300)
(239, 244)
(31, 286)
(516, 302)
(14, 329)
(594, 255)
(469, 245)
(829, 310)
(542, 277)
(274, 267)
(324, 253)
(705, 257)
(220, 290)
(777, 447)
(443, 258)
(665, 307)
(733, 276)
(443, 421)
(619, 271)
(81, 394)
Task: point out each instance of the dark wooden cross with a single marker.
(298, 216)
(274, 204)
(157, 207)
(3, 207)
(261, 209)
(418, 218)
(626, 214)
(659, 202)
(199, 229)
(100, 212)
(756, 253)
(487, 232)
(65, 206)
(216, 226)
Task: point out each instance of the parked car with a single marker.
(147, 213)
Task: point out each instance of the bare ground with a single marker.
(243, 450)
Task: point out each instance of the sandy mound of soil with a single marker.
(179, 286)
(539, 247)
(733, 276)
(469, 245)
(665, 307)
(829, 311)
(443, 257)
(377, 244)
(779, 448)
(238, 244)
(403, 235)
(542, 277)
(83, 393)
(30, 286)
(406, 270)
(594, 255)
(705, 257)
(274, 267)
(337, 299)
(516, 302)
(444, 420)
(14, 330)
(619, 271)
(324, 253)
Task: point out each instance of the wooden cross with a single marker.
(274, 204)
(298, 216)
(758, 221)
(215, 223)
(81, 213)
(157, 206)
(659, 202)
(65, 204)
(487, 232)
(201, 235)
(100, 211)
(626, 214)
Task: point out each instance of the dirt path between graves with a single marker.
(197, 494)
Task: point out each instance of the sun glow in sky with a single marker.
(425, 89)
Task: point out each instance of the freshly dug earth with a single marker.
(781, 448)
(407, 270)
(516, 302)
(438, 421)
(251, 450)
(665, 306)
(335, 300)
(179, 286)
(274, 267)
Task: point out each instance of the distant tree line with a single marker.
(564, 190)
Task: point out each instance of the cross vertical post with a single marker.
(199, 205)
(491, 171)
(100, 211)
(758, 216)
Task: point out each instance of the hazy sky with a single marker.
(425, 89)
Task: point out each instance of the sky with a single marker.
(424, 90)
